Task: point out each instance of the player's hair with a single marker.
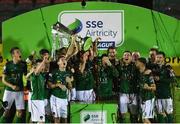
(61, 56)
(161, 53)
(153, 49)
(34, 64)
(127, 52)
(13, 49)
(110, 47)
(39, 60)
(43, 51)
(104, 55)
(142, 60)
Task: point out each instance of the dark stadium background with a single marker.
(11, 8)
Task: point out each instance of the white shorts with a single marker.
(164, 105)
(29, 101)
(11, 96)
(38, 110)
(58, 107)
(86, 96)
(148, 109)
(128, 101)
(72, 94)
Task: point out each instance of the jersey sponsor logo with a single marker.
(50, 75)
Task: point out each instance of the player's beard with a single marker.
(113, 56)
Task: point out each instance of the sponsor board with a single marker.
(106, 24)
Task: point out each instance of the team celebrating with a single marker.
(142, 87)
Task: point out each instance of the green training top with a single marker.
(148, 79)
(127, 78)
(14, 74)
(105, 76)
(163, 86)
(58, 76)
(38, 86)
(85, 80)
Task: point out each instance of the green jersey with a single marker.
(150, 65)
(58, 76)
(85, 80)
(14, 74)
(163, 86)
(148, 79)
(38, 86)
(127, 78)
(47, 90)
(105, 76)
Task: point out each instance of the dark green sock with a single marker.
(161, 118)
(170, 118)
(3, 119)
(47, 119)
(28, 117)
(125, 118)
(18, 120)
(134, 118)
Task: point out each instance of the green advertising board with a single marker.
(93, 113)
(142, 28)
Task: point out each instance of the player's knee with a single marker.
(169, 113)
(133, 109)
(6, 113)
(57, 120)
(163, 114)
(19, 113)
(122, 114)
(146, 121)
(64, 120)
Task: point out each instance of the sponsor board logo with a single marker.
(109, 25)
(93, 117)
